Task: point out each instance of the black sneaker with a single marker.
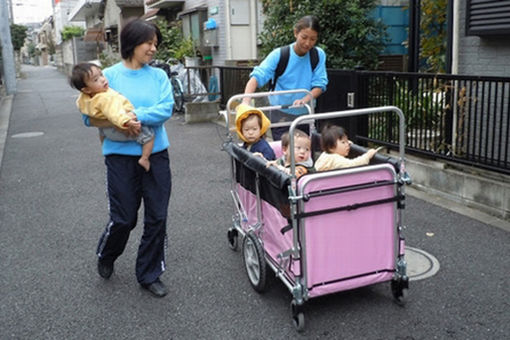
(157, 288)
(104, 268)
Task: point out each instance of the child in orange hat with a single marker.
(251, 126)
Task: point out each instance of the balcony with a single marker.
(84, 9)
(164, 3)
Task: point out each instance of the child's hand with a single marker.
(131, 115)
(133, 127)
(258, 154)
(279, 167)
(371, 153)
(271, 163)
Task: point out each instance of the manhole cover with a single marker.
(28, 134)
(420, 264)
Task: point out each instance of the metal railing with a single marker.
(464, 119)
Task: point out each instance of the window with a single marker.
(192, 23)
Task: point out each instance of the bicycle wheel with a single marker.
(178, 96)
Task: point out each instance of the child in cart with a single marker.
(98, 101)
(251, 126)
(335, 146)
(302, 154)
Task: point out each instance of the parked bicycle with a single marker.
(177, 88)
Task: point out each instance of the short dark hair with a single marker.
(135, 33)
(80, 73)
(285, 139)
(308, 21)
(330, 135)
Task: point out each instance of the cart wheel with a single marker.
(255, 263)
(400, 290)
(298, 318)
(233, 238)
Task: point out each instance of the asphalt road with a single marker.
(53, 209)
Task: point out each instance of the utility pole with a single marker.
(414, 36)
(11, 18)
(7, 50)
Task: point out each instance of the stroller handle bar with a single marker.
(349, 113)
(268, 94)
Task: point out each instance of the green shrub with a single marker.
(68, 32)
(349, 35)
(173, 44)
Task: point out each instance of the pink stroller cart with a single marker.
(326, 231)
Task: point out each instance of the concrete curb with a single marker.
(5, 114)
(438, 199)
(475, 188)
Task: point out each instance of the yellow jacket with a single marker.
(242, 112)
(109, 105)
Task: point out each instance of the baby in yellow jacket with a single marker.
(98, 101)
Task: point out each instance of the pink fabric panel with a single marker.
(249, 202)
(274, 242)
(349, 243)
(349, 284)
(277, 148)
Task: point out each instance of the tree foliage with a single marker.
(173, 43)
(349, 35)
(18, 35)
(433, 40)
(68, 32)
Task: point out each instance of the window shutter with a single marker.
(487, 17)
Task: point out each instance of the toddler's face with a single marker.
(342, 146)
(251, 129)
(96, 82)
(302, 147)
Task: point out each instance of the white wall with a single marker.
(60, 15)
(235, 42)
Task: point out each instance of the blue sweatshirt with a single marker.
(150, 92)
(297, 75)
(263, 147)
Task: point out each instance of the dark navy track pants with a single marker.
(127, 184)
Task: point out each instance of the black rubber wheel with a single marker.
(233, 238)
(255, 263)
(298, 318)
(399, 290)
(178, 97)
(178, 101)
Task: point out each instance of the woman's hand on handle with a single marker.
(316, 92)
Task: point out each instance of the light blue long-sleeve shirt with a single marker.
(297, 75)
(150, 92)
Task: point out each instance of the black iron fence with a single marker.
(463, 119)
